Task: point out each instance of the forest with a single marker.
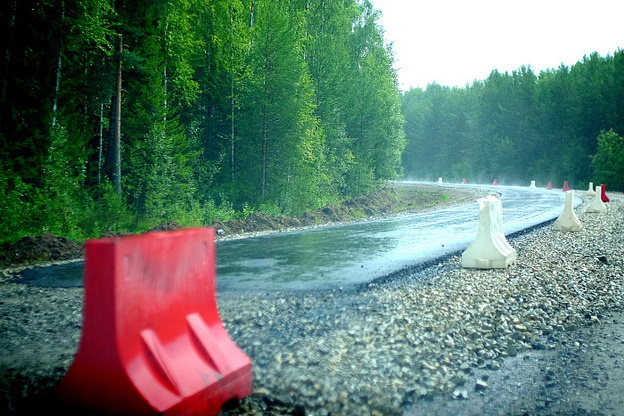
(120, 114)
(563, 124)
(123, 114)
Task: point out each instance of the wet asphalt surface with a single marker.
(353, 253)
(361, 252)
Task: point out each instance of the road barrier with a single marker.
(490, 250)
(152, 339)
(603, 195)
(532, 186)
(566, 188)
(440, 181)
(495, 182)
(597, 205)
(590, 191)
(549, 187)
(464, 182)
(568, 221)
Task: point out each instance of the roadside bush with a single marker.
(16, 207)
(608, 162)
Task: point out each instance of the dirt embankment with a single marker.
(394, 199)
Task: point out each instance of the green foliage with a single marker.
(16, 207)
(62, 201)
(608, 162)
(516, 126)
(272, 210)
(372, 107)
(227, 107)
(110, 213)
(223, 212)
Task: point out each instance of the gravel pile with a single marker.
(381, 349)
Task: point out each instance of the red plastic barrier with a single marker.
(464, 182)
(152, 339)
(565, 186)
(549, 187)
(603, 195)
(495, 182)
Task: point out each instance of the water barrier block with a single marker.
(590, 191)
(597, 205)
(152, 339)
(568, 221)
(566, 188)
(549, 187)
(532, 186)
(603, 194)
(490, 250)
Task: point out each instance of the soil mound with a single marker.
(47, 246)
(166, 226)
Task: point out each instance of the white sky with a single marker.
(454, 42)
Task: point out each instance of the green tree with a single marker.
(160, 158)
(608, 162)
(328, 33)
(372, 107)
(278, 126)
(224, 28)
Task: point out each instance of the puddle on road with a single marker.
(61, 275)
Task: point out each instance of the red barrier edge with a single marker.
(152, 340)
(565, 186)
(603, 194)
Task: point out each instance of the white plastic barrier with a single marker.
(532, 185)
(590, 191)
(597, 205)
(568, 221)
(440, 180)
(490, 250)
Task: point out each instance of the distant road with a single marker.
(340, 255)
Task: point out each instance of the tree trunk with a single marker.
(264, 158)
(165, 68)
(6, 70)
(232, 103)
(101, 143)
(117, 139)
(58, 76)
(232, 138)
(251, 19)
(56, 91)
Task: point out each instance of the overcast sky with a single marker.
(454, 42)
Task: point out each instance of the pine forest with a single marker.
(120, 114)
(563, 124)
(117, 114)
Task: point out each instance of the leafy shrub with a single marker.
(16, 207)
(608, 162)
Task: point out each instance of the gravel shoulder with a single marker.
(545, 336)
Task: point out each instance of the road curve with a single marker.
(355, 253)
